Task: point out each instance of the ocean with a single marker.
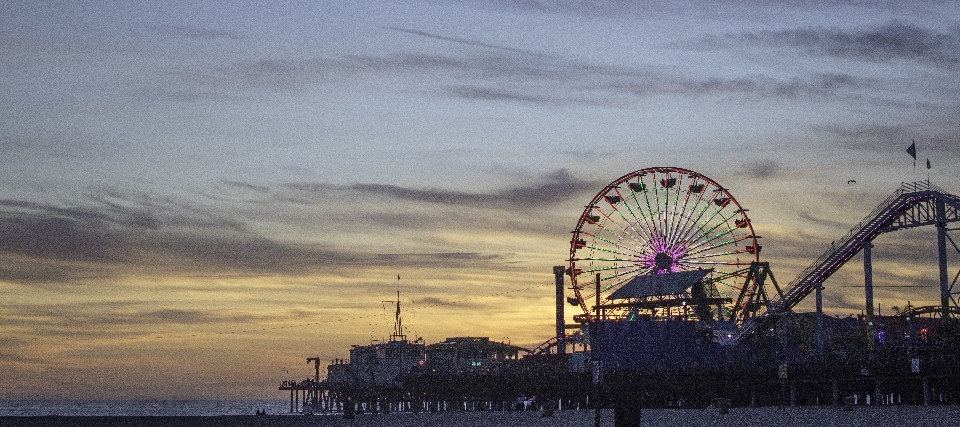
(116, 408)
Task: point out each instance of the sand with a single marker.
(738, 417)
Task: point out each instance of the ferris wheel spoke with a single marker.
(695, 212)
(620, 235)
(693, 188)
(659, 210)
(734, 240)
(710, 244)
(605, 259)
(665, 211)
(648, 225)
(662, 209)
(612, 220)
(718, 266)
(607, 268)
(646, 199)
(642, 232)
(619, 278)
(701, 227)
(674, 221)
(707, 231)
(639, 237)
(679, 218)
(640, 186)
(699, 222)
(629, 251)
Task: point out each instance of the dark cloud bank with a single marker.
(109, 230)
(892, 41)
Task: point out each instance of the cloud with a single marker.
(554, 188)
(248, 186)
(110, 233)
(871, 132)
(501, 76)
(50, 236)
(892, 41)
(763, 169)
(16, 358)
(465, 41)
(197, 33)
(489, 94)
(119, 230)
(123, 319)
(932, 130)
(757, 85)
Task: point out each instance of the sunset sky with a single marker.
(197, 196)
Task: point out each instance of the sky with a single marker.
(197, 196)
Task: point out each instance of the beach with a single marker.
(738, 417)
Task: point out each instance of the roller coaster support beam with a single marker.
(942, 252)
(753, 296)
(820, 331)
(868, 281)
(561, 327)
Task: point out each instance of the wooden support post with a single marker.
(793, 393)
(836, 392)
(877, 395)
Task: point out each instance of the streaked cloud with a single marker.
(465, 41)
(891, 41)
(199, 33)
(555, 188)
(882, 43)
(550, 189)
(123, 232)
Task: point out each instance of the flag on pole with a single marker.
(912, 151)
(928, 163)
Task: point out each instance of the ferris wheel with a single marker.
(656, 221)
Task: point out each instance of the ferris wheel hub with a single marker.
(663, 262)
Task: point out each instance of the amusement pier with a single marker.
(675, 307)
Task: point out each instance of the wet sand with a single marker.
(738, 417)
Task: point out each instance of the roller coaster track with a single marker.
(927, 309)
(913, 205)
(553, 342)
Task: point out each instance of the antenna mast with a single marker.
(397, 334)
